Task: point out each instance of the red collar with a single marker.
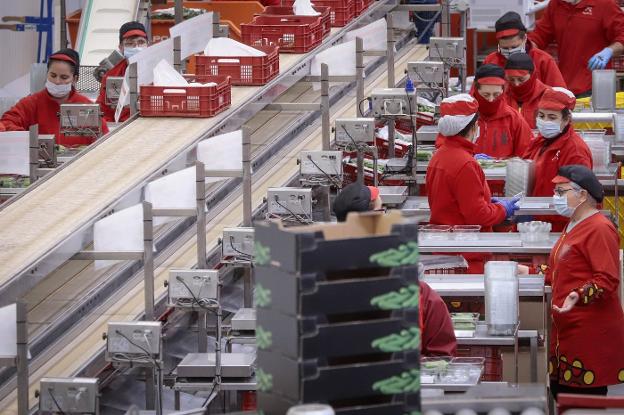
(456, 141)
(557, 143)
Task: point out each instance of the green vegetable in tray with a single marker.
(407, 382)
(168, 14)
(492, 164)
(406, 340)
(14, 182)
(406, 297)
(435, 364)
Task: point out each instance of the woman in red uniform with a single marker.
(557, 145)
(132, 40)
(503, 133)
(525, 89)
(587, 341)
(588, 34)
(512, 38)
(43, 107)
(456, 188)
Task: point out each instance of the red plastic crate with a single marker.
(242, 70)
(361, 5)
(618, 63)
(288, 11)
(342, 11)
(186, 101)
(293, 34)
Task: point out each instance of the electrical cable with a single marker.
(60, 410)
(360, 107)
(201, 302)
(243, 254)
(297, 218)
(147, 352)
(329, 177)
(214, 385)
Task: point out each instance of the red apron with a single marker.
(587, 343)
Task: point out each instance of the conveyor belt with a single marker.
(85, 339)
(46, 225)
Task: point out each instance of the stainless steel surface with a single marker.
(393, 195)
(244, 320)
(473, 285)
(202, 365)
(488, 242)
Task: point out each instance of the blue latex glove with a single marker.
(495, 199)
(600, 59)
(511, 206)
(483, 156)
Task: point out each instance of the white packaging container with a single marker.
(501, 297)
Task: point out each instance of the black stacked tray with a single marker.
(316, 323)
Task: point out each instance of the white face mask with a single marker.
(560, 203)
(58, 91)
(130, 52)
(548, 129)
(508, 52)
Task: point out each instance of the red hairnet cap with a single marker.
(460, 104)
(557, 99)
(374, 191)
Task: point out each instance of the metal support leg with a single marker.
(178, 11)
(360, 166)
(390, 50)
(323, 198)
(202, 335)
(375, 152)
(359, 74)
(148, 261)
(22, 358)
(616, 194)
(391, 134)
(177, 53)
(218, 338)
(33, 154)
(325, 127)
(445, 19)
(63, 24)
(200, 192)
(176, 400)
(247, 212)
(134, 88)
(533, 341)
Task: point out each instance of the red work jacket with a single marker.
(581, 31)
(109, 112)
(548, 156)
(458, 193)
(438, 335)
(504, 134)
(527, 103)
(546, 69)
(40, 108)
(587, 343)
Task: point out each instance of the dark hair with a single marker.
(471, 124)
(566, 113)
(477, 85)
(65, 55)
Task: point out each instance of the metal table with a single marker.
(419, 205)
(473, 285)
(486, 242)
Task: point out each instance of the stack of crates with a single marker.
(327, 313)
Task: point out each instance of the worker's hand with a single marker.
(2, 127)
(511, 206)
(482, 156)
(568, 304)
(600, 59)
(523, 270)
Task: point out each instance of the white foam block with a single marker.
(8, 328)
(222, 152)
(121, 231)
(15, 153)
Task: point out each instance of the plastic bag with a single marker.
(222, 46)
(304, 8)
(166, 75)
